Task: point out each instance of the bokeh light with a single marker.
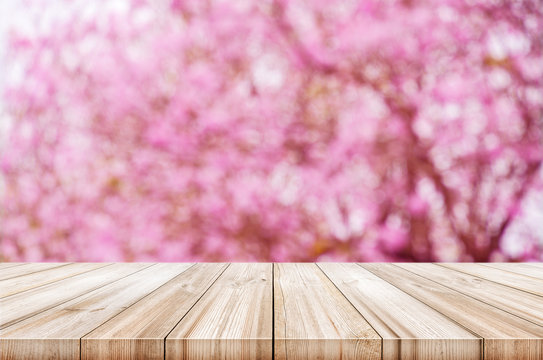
(271, 130)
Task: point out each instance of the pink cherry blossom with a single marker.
(273, 131)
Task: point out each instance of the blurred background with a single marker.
(271, 130)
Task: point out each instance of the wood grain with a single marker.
(139, 332)
(264, 311)
(23, 305)
(409, 328)
(38, 349)
(233, 320)
(72, 320)
(527, 269)
(25, 269)
(495, 325)
(517, 281)
(525, 305)
(5, 265)
(26, 282)
(314, 320)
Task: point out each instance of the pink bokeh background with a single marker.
(272, 130)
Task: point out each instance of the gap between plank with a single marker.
(213, 283)
(134, 303)
(474, 298)
(481, 357)
(509, 271)
(143, 297)
(495, 282)
(66, 300)
(349, 301)
(52, 282)
(285, 316)
(33, 272)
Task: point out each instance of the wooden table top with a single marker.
(264, 311)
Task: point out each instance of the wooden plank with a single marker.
(506, 336)
(233, 320)
(517, 281)
(333, 311)
(30, 281)
(410, 329)
(26, 269)
(139, 331)
(6, 265)
(525, 305)
(527, 269)
(23, 305)
(60, 329)
(37, 349)
(314, 320)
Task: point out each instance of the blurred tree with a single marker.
(273, 130)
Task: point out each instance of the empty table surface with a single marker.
(271, 311)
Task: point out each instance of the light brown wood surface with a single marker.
(264, 311)
(522, 304)
(26, 282)
(74, 319)
(515, 280)
(8, 265)
(313, 319)
(528, 269)
(23, 305)
(501, 330)
(139, 332)
(24, 269)
(232, 320)
(410, 329)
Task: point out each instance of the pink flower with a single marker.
(393, 238)
(291, 131)
(417, 206)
